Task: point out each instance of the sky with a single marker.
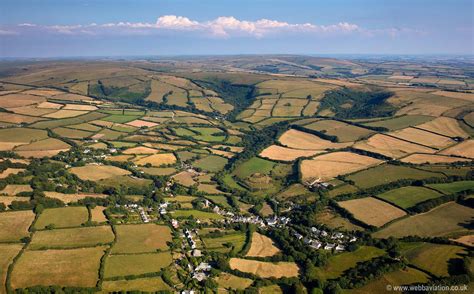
(74, 28)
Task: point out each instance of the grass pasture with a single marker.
(136, 264)
(405, 276)
(211, 163)
(97, 172)
(201, 215)
(407, 197)
(449, 188)
(72, 268)
(372, 211)
(252, 166)
(71, 238)
(63, 217)
(262, 246)
(339, 263)
(15, 225)
(433, 258)
(387, 173)
(237, 239)
(265, 269)
(447, 219)
(152, 284)
(141, 238)
(400, 122)
(227, 281)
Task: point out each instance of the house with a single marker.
(315, 230)
(196, 253)
(329, 246)
(187, 292)
(298, 236)
(162, 211)
(324, 233)
(353, 239)
(174, 223)
(315, 244)
(199, 276)
(216, 209)
(203, 266)
(340, 247)
(272, 221)
(307, 240)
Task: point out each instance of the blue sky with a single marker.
(58, 28)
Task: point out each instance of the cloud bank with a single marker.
(221, 27)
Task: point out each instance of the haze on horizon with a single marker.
(54, 28)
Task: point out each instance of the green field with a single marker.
(388, 173)
(219, 200)
(218, 244)
(252, 166)
(407, 197)
(62, 217)
(141, 238)
(444, 220)
(153, 284)
(136, 264)
(448, 170)
(433, 258)
(208, 134)
(344, 132)
(450, 188)
(400, 277)
(339, 263)
(51, 124)
(400, 122)
(202, 215)
(211, 163)
(72, 238)
(119, 118)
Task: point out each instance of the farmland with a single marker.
(452, 216)
(280, 173)
(380, 214)
(265, 269)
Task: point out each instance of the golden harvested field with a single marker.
(423, 138)
(44, 145)
(262, 246)
(18, 100)
(68, 198)
(15, 189)
(71, 238)
(431, 158)
(73, 268)
(464, 149)
(97, 214)
(18, 118)
(7, 200)
(275, 152)
(141, 238)
(43, 92)
(301, 140)
(265, 269)
(390, 146)
(466, 240)
(457, 95)
(344, 132)
(72, 97)
(328, 166)
(209, 189)
(9, 251)
(10, 171)
(445, 126)
(49, 105)
(185, 178)
(65, 113)
(98, 172)
(141, 123)
(157, 159)
(31, 110)
(15, 225)
(80, 107)
(140, 150)
(372, 211)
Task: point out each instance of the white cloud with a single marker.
(221, 27)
